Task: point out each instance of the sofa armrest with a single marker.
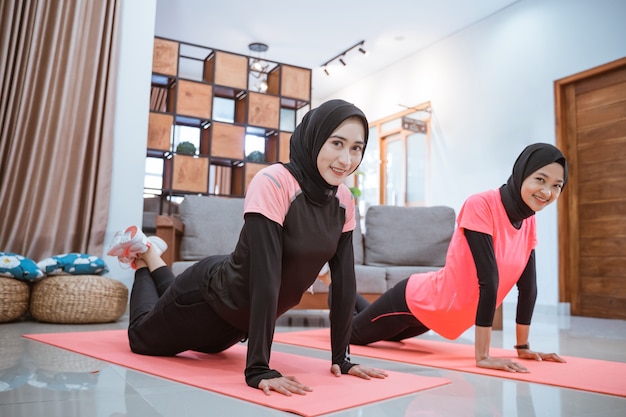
(170, 229)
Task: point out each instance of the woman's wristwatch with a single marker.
(524, 346)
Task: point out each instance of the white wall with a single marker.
(491, 86)
(131, 123)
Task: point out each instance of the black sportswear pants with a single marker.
(387, 318)
(169, 315)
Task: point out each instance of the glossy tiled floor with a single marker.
(40, 380)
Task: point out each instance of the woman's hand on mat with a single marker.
(285, 385)
(361, 371)
(539, 356)
(500, 363)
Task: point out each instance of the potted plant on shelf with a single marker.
(256, 156)
(186, 148)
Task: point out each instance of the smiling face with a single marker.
(543, 186)
(342, 152)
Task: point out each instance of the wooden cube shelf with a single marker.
(295, 82)
(240, 110)
(160, 131)
(222, 179)
(230, 70)
(158, 98)
(237, 185)
(271, 148)
(165, 57)
(194, 99)
(283, 151)
(263, 110)
(228, 141)
(273, 81)
(190, 174)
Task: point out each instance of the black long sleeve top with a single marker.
(481, 246)
(284, 243)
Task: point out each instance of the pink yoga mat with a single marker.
(578, 373)
(223, 373)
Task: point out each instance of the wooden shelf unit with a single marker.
(212, 98)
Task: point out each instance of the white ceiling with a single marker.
(307, 34)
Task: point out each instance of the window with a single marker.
(254, 148)
(153, 180)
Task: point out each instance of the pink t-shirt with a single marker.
(446, 300)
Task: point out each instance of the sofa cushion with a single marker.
(212, 226)
(13, 265)
(408, 235)
(318, 287)
(370, 280)
(395, 274)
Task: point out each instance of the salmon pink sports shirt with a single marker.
(446, 300)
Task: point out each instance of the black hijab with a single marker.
(530, 160)
(307, 140)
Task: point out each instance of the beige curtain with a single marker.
(58, 61)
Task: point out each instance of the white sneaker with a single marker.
(157, 244)
(127, 244)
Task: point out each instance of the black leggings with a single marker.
(387, 318)
(169, 315)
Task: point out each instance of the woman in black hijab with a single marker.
(491, 250)
(297, 217)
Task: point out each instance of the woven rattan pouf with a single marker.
(14, 298)
(78, 299)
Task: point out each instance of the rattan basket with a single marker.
(14, 299)
(78, 299)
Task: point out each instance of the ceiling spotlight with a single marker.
(340, 57)
(263, 86)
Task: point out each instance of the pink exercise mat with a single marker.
(223, 373)
(578, 373)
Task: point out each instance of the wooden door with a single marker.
(591, 130)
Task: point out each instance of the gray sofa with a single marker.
(395, 241)
(152, 207)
